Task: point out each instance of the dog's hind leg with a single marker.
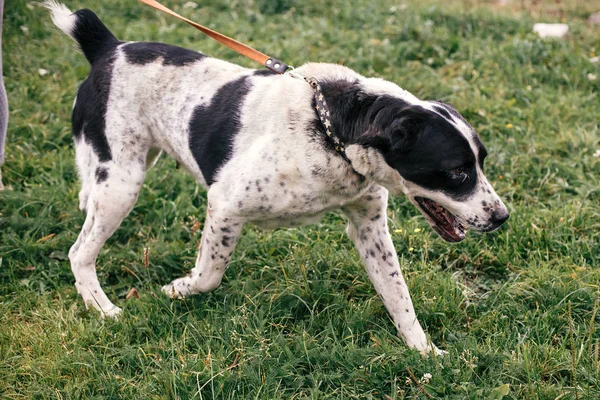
(86, 161)
(368, 229)
(112, 195)
(218, 241)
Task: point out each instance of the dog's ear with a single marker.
(395, 131)
(406, 129)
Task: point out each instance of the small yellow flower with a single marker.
(509, 126)
(397, 230)
(417, 230)
(411, 249)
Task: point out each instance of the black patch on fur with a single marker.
(213, 127)
(439, 149)
(93, 36)
(225, 241)
(146, 52)
(444, 112)
(89, 113)
(101, 174)
(482, 151)
(420, 144)
(264, 72)
(349, 109)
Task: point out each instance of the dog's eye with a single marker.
(459, 174)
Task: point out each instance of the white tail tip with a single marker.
(62, 17)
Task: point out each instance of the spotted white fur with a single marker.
(276, 175)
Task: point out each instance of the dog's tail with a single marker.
(85, 28)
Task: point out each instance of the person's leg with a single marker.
(3, 102)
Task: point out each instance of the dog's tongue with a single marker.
(451, 233)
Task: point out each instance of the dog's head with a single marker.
(430, 153)
(440, 159)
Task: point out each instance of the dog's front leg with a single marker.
(219, 238)
(367, 227)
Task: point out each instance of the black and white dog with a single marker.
(254, 140)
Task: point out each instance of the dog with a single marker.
(254, 140)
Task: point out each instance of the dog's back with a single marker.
(141, 98)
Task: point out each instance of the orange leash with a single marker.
(253, 54)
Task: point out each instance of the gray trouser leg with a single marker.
(3, 100)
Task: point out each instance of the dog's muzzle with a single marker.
(498, 217)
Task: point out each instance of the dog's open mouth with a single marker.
(442, 220)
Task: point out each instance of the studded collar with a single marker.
(325, 117)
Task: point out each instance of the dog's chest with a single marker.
(298, 204)
(294, 187)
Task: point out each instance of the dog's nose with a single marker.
(499, 216)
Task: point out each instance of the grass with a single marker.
(296, 316)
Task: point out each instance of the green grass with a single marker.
(296, 311)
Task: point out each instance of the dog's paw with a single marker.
(188, 286)
(112, 312)
(107, 311)
(439, 352)
(173, 290)
(431, 348)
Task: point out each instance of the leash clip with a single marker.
(314, 83)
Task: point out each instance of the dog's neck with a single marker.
(361, 110)
(353, 114)
(351, 111)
